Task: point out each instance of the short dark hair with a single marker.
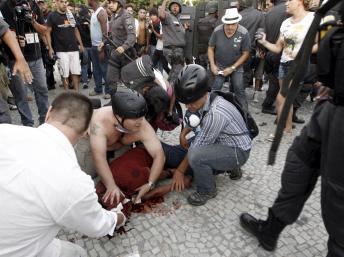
(130, 5)
(73, 110)
(142, 8)
(153, 11)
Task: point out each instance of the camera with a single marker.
(51, 60)
(23, 12)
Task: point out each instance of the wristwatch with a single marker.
(151, 185)
(233, 68)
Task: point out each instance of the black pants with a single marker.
(318, 151)
(272, 92)
(115, 64)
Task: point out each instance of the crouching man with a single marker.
(121, 124)
(222, 140)
(42, 187)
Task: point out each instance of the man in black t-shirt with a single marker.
(66, 37)
(28, 29)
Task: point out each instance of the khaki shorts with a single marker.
(69, 63)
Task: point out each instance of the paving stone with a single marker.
(213, 229)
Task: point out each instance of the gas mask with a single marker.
(193, 120)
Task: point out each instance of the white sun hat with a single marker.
(231, 16)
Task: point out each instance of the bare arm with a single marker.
(162, 10)
(98, 147)
(157, 34)
(78, 38)
(182, 167)
(275, 48)
(20, 65)
(243, 58)
(211, 58)
(211, 55)
(48, 38)
(154, 148)
(102, 18)
(41, 29)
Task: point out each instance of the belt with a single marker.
(173, 47)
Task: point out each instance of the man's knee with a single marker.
(192, 156)
(195, 157)
(69, 249)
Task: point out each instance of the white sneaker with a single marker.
(255, 97)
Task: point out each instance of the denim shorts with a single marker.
(283, 70)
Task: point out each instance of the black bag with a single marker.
(249, 120)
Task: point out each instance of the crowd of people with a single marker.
(43, 183)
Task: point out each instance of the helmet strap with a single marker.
(120, 126)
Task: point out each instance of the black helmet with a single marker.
(245, 4)
(178, 2)
(192, 84)
(128, 104)
(211, 7)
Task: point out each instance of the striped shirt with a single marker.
(222, 124)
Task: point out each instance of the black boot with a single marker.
(267, 232)
(298, 120)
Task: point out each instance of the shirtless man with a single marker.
(123, 124)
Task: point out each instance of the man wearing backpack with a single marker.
(222, 141)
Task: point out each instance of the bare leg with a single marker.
(65, 83)
(280, 100)
(76, 81)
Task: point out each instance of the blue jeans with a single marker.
(237, 84)
(39, 88)
(174, 155)
(99, 71)
(84, 68)
(209, 159)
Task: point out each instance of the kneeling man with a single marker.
(222, 140)
(121, 124)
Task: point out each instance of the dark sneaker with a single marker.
(84, 85)
(235, 174)
(269, 111)
(199, 199)
(298, 120)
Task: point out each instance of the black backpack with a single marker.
(249, 120)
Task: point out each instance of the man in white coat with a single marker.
(42, 187)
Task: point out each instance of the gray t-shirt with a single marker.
(228, 50)
(173, 31)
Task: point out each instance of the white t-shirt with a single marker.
(42, 189)
(159, 42)
(293, 35)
